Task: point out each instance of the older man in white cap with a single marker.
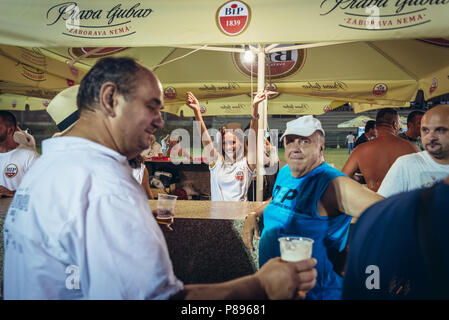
(310, 199)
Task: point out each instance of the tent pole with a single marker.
(262, 122)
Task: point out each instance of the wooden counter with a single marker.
(211, 209)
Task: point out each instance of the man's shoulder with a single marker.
(412, 158)
(24, 152)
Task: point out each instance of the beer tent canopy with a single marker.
(154, 23)
(19, 102)
(105, 23)
(369, 74)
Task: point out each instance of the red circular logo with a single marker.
(14, 103)
(233, 17)
(239, 175)
(170, 93)
(327, 108)
(380, 89)
(11, 170)
(281, 64)
(45, 102)
(203, 109)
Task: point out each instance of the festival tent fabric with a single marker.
(265, 23)
(369, 75)
(372, 72)
(104, 23)
(22, 103)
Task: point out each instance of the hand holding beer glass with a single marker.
(295, 249)
(165, 212)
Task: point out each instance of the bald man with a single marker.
(422, 169)
(374, 158)
(80, 227)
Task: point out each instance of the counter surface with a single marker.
(192, 209)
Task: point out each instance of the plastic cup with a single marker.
(295, 248)
(165, 207)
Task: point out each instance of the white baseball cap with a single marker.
(304, 126)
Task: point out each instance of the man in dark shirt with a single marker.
(410, 260)
(370, 133)
(413, 132)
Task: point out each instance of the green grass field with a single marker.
(334, 156)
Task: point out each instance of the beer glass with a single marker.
(165, 208)
(295, 249)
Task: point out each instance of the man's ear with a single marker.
(108, 98)
(11, 130)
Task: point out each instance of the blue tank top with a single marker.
(293, 211)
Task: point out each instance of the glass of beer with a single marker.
(295, 249)
(165, 208)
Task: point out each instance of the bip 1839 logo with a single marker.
(11, 170)
(233, 17)
(380, 89)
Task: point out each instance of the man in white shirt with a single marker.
(80, 226)
(15, 159)
(422, 169)
(350, 139)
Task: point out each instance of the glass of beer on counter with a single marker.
(165, 208)
(295, 249)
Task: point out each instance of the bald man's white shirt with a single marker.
(80, 227)
(412, 171)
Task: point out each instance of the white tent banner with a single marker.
(47, 23)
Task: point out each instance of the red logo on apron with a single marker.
(239, 175)
(11, 170)
(233, 17)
